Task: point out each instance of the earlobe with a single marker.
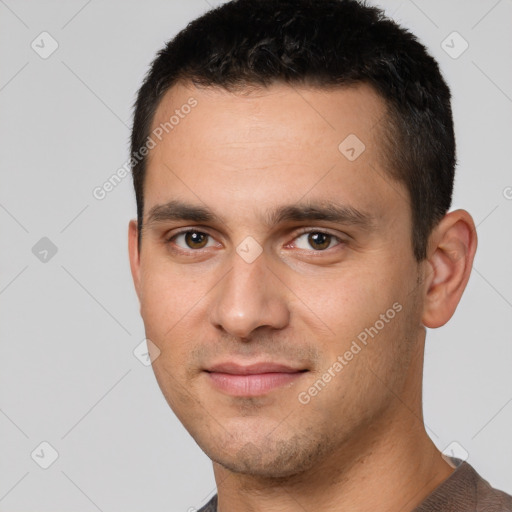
(450, 260)
(133, 252)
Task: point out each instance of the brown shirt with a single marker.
(463, 491)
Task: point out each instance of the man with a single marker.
(293, 170)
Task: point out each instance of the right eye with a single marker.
(191, 240)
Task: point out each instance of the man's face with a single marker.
(249, 287)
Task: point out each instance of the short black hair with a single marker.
(319, 43)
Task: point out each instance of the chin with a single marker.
(268, 459)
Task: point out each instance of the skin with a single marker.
(360, 443)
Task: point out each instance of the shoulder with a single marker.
(489, 499)
(211, 506)
(466, 491)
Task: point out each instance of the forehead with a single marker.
(249, 148)
(309, 110)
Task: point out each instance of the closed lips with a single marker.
(253, 369)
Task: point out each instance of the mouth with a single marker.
(252, 380)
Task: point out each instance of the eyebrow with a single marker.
(311, 211)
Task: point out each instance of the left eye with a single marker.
(317, 240)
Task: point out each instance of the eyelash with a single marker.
(170, 239)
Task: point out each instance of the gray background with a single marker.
(70, 323)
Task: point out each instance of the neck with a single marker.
(391, 465)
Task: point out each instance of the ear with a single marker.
(133, 252)
(452, 247)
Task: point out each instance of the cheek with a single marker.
(175, 308)
(169, 302)
(164, 305)
(167, 292)
(369, 315)
(350, 301)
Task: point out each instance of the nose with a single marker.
(249, 296)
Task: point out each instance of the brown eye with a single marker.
(319, 240)
(190, 239)
(195, 239)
